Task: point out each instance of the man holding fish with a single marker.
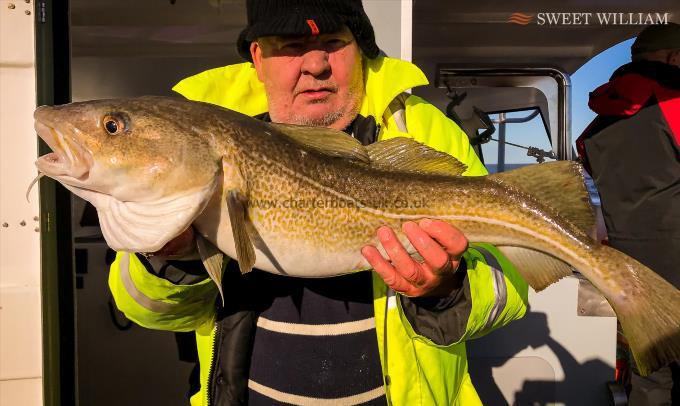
(175, 180)
(348, 339)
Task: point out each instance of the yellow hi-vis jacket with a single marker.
(416, 370)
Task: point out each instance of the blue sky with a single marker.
(591, 75)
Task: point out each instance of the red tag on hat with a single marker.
(313, 27)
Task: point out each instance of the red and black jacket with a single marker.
(632, 150)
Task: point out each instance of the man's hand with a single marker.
(440, 244)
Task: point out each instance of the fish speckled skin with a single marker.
(307, 213)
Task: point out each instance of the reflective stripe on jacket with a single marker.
(416, 369)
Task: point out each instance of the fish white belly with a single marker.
(302, 259)
(309, 259)
(275, 255)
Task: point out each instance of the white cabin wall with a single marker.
(20, 318)
(391, 21)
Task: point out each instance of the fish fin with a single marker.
(559, 185)
(262, 246)
(212, 259)
(325, 140)
(245, 252)
(649, 313)
(540, 270)
(408, 155)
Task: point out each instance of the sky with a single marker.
(591, 75)
(586, 79)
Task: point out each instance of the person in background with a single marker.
(632, 151)
(395, 335)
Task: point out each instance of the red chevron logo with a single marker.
(520, 19)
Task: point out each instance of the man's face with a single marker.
(312, 80)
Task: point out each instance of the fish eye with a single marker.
(113, 125)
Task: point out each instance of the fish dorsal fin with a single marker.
(537, 268)
(407, 155)
(559, 185)
(325, 140)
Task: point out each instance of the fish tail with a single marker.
(648, 309)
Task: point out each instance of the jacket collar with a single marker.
(237, 87)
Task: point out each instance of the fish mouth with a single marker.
(69, 161)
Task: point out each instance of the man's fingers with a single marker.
(401, 260)
(453, 240)
(440, 245)
(432, 252)
(385, 269)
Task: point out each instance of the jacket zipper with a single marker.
(213, 361)
(386, 370)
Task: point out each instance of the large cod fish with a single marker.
(302, 201)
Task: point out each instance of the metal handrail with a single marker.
(518, 120)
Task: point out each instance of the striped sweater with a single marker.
(316, 343)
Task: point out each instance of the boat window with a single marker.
(519, 139)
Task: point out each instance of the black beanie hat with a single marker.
(657, 37)
(306, 17)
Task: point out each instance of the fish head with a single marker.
(132, 149)
(144, 163)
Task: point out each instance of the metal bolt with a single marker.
(11, 6)
(37, 229)
(5, 225)
(23, 223)
(36, 218)
(27, 1)
(28, 12)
